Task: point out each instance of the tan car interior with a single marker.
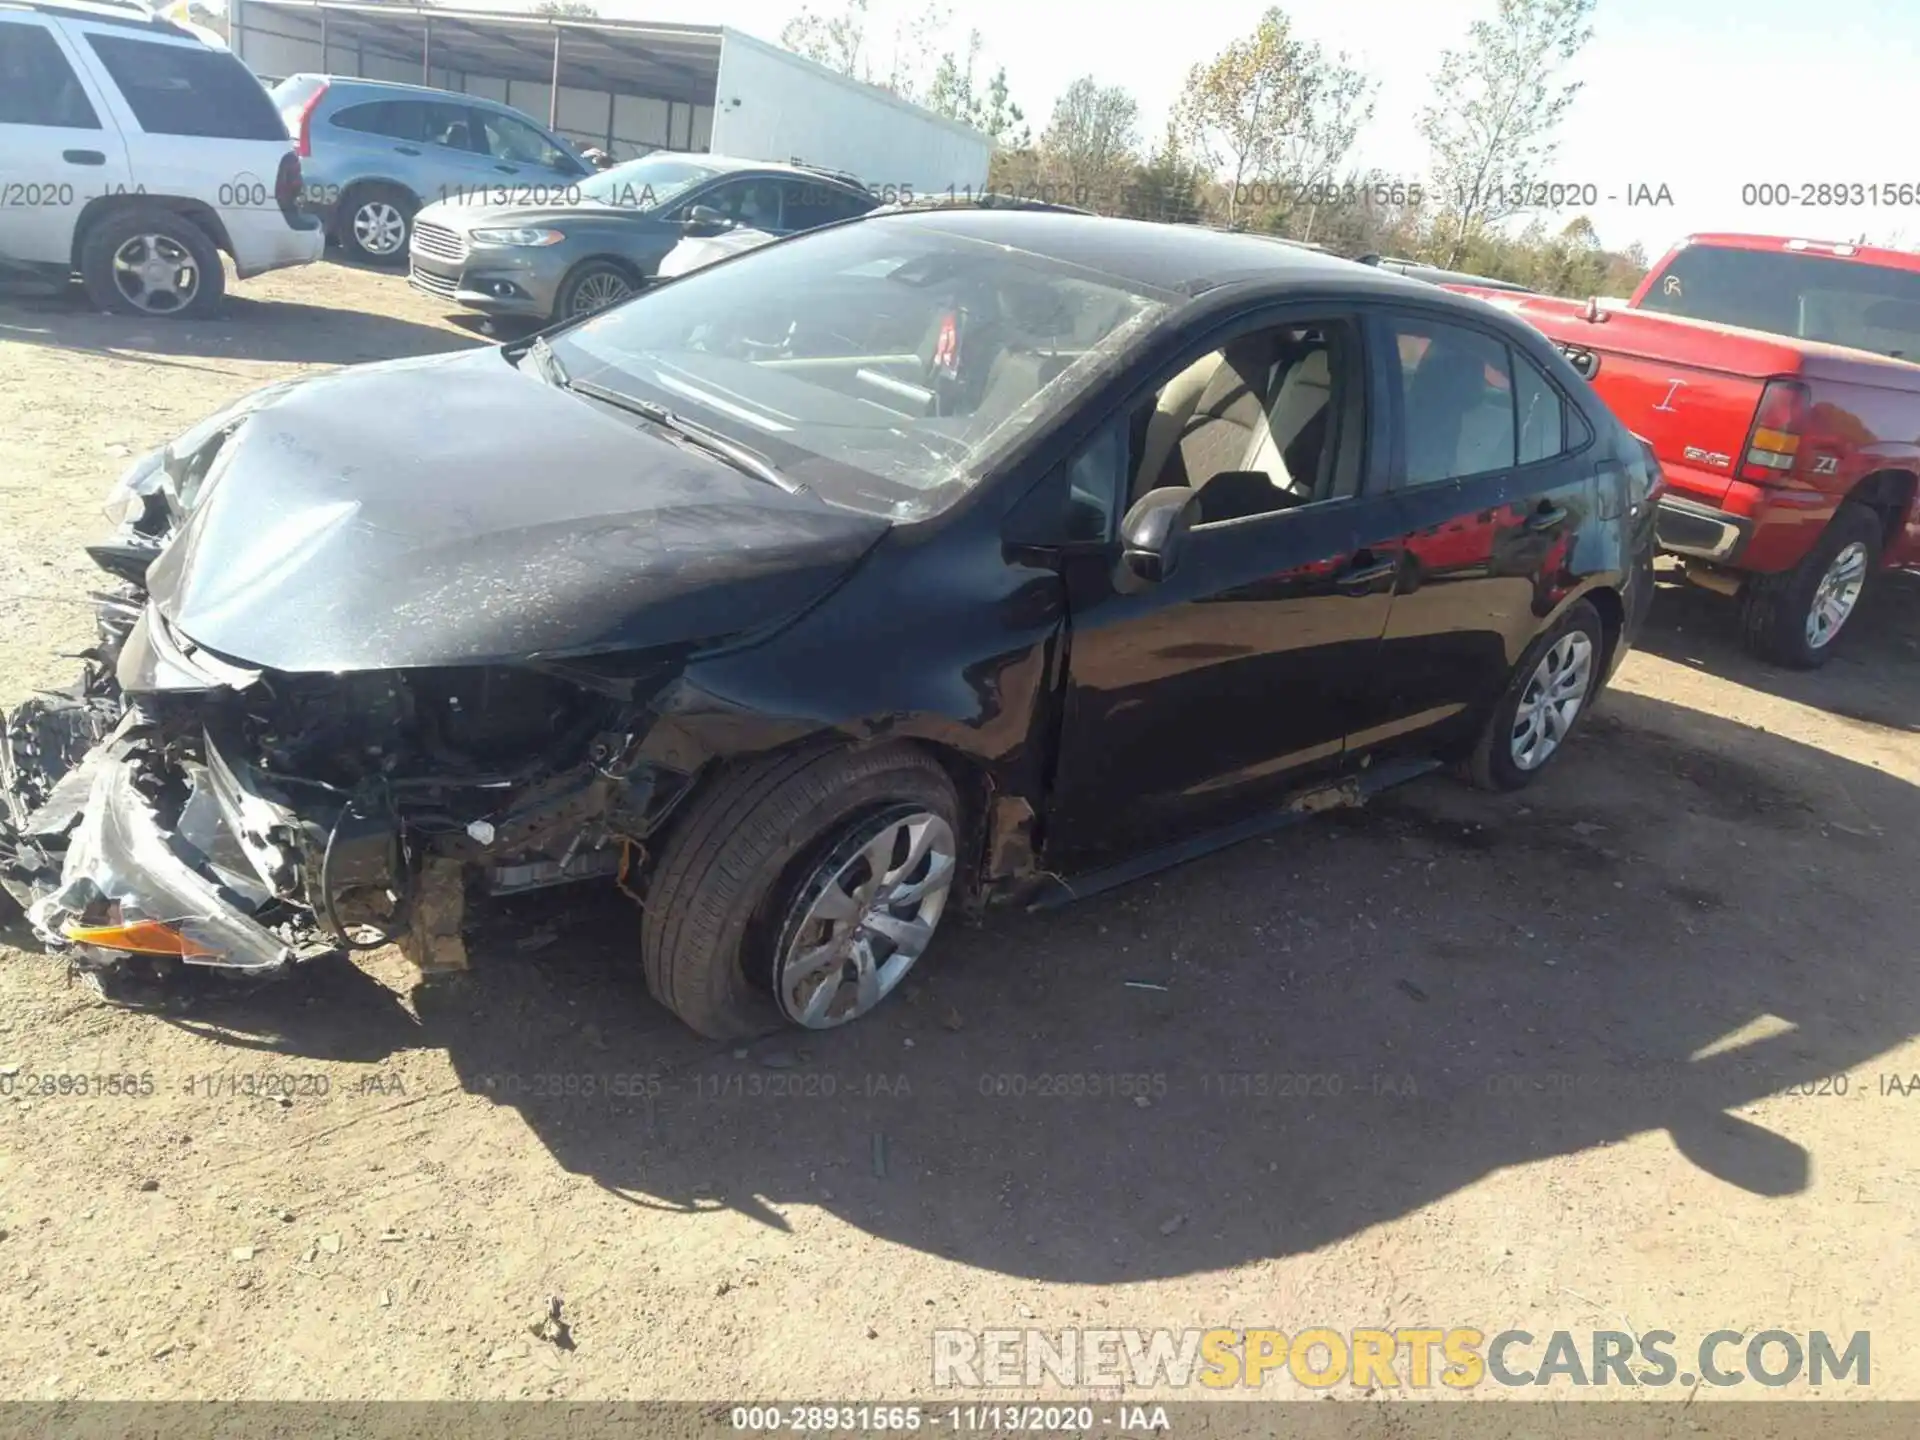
(1249, 427)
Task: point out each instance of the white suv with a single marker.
(134, 152)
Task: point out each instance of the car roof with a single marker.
(342, 83)
(730, 164)
(1183, 259)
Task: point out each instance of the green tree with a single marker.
(1167, 187)
(958, 93)
(1492, 126)
(1270, 114)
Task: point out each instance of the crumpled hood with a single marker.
(453, 510)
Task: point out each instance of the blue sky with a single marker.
(1703, 97)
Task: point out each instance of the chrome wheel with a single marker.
(1839, 592)
(863, 918)
(379, 228)
(597, 291)
(1555, 692)
(156, 273)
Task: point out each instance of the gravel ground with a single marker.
(1612, 1054)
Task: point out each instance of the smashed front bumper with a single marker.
(117, 854)
(109, 871)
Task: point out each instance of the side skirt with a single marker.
(1354, 790)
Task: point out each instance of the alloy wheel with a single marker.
(1555, 692)
(597, 291)
(379, 228)
(864, 917)
(1838, 592)
(156, 273)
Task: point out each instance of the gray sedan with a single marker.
(598, 241)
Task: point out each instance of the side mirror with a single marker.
(705, 220)
(1153, 534)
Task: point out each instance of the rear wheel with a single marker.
(1794, 617)
(376, 221)
(1551, 689)
(152, 261)
(801, 890)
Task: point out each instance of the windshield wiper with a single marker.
(692, 431)
(548, 363)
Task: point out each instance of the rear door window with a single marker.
(811, 203)
(1457, 392)
(518, 143)
(37, 85)
(188, 89)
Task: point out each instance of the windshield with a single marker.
(1810, 297)
(882, 364)
(646, 183)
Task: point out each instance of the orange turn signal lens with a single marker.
(141, 937)
(1779, 441)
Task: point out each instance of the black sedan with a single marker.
(560, 251)
(922, 562)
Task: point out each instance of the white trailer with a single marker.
(627, 86)
(770, 104)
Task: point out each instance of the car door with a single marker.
(751, 202)
(1199, 701)
(1493, 476)
(56, 151)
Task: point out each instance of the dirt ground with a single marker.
(1612, 1054)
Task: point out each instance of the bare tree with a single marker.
(830, 40)
(1491, 129)
(1089, 146)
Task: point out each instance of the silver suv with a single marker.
(374, 152)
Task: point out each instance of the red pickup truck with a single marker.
(1778, 381)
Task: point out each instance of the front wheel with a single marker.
(1794, 617)
(593, 286)
(1551, 689)
(801, 890)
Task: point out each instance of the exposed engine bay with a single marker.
(459, 680)
(278, 818)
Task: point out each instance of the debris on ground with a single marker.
(548, 1326)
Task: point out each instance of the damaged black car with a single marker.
(918, 563)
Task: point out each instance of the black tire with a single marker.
(163, 228)
(576, 290)
(394, 201)
(1492, 765)
(718, 900)
(1775, 609)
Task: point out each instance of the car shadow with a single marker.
(1862, 681)
(272, 331)
(1255, 1055)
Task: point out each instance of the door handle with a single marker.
(83, 157)
(1548, 517)
(508, 169)
(1365, 573)
(407, 149)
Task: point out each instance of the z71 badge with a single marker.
(1707, 457)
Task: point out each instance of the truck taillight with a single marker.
(1777, 427)
(286, 183)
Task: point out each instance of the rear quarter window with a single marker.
(188, 89)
